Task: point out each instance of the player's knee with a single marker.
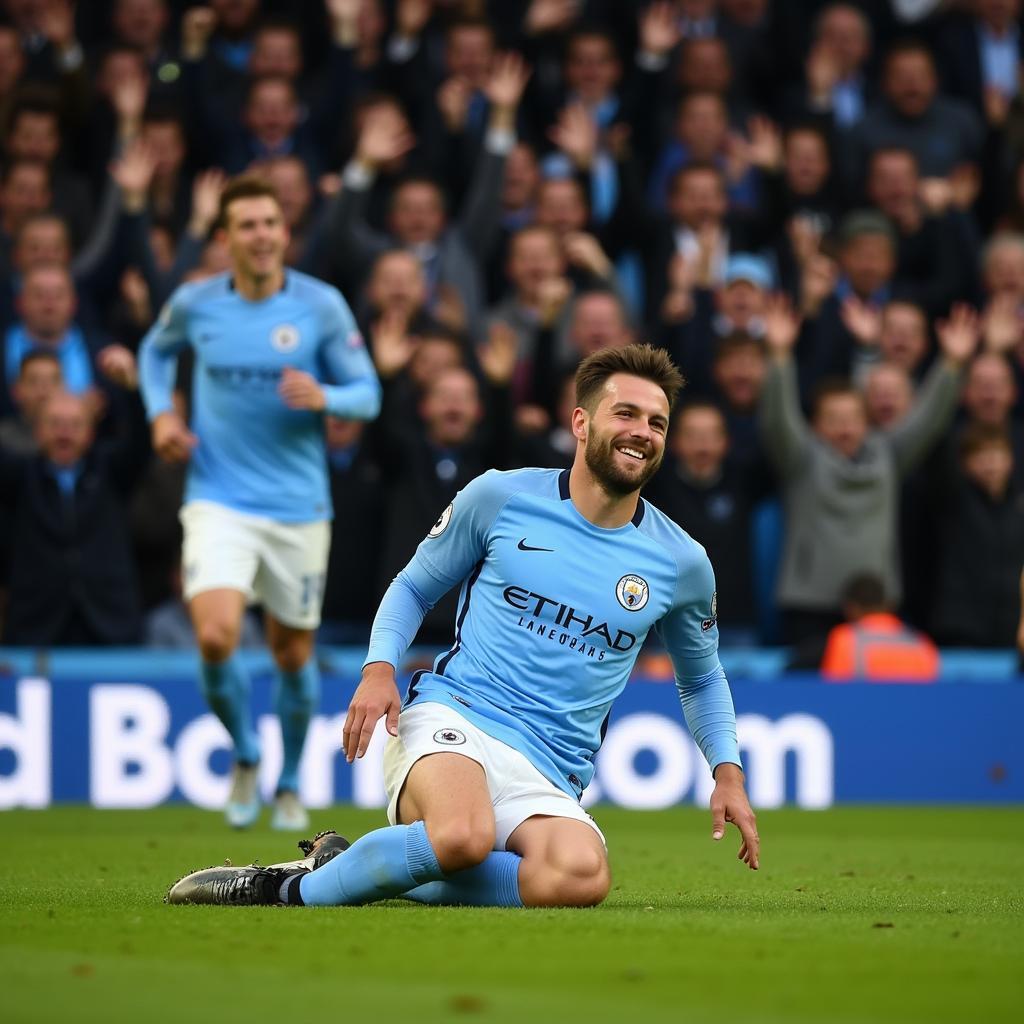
(291, 653)
(591, 889)
(291, 657)
(579, 877)
(461, 843)
(216, 640)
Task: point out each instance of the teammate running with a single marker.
(257, 501)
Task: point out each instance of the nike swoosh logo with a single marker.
(523, 546)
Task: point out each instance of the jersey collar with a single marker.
(563, 493)
(283, 288)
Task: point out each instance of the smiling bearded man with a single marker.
(563, 575)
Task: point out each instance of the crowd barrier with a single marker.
(130, 730)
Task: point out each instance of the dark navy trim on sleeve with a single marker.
(410, 695)
(444, 662)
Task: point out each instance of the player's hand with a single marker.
(729, 803)
(172, 440)
(300, 390)
(375, 696)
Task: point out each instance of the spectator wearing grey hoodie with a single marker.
(840, 479)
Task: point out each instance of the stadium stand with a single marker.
(675, 173)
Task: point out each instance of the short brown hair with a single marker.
(245, 186)
(476, 24)
(699, 404)
(696, 405)
(38, 355)
(866, 591)
(651, 364)
(977, 436)
(675, 182)
(736, 341)
(833, 387)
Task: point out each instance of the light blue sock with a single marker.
(378, 866)
(297, 697)
(494, 883)
(225, 685)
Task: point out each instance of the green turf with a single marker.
(857, 915)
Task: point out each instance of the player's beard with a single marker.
(599, 454)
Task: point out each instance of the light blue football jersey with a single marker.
(254, 453)
(552, 615)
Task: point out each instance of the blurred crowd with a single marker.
(816, 208)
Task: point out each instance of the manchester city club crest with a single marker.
(442, 523)
(632, 593)
(285, 338)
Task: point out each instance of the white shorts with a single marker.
(518, 790)
(281, 565)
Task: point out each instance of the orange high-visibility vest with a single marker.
(882, 649)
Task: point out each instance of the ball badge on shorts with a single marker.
(632, 592)
(285, 338)
(442, 523)
(450, 737)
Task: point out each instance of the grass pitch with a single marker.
(856, 915)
